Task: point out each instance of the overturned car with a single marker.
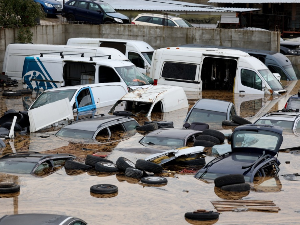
(253, 154)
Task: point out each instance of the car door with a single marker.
(84, 100)
(81, 13)
(95, 13)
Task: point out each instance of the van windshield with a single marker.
(107, 8)
(290, 70)
(148, 56)
(271, 79)
(132, 76)
(53, 96)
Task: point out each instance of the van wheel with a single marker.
(70, 18)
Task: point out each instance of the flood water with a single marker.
(69, 193)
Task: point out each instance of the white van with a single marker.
(52, 71)
(197, 69)
(16, 53)
(138, 52)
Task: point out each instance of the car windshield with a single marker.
(107, 8)
(7, 166)
(76, 134)
(206, 116)
(53, 96)
(271, 80)
(132, 76)
(290, 70)
(148, 56)
(285, 125)
(255, 139)
(183, 23)
(163, 141)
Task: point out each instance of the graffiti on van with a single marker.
(35, 75)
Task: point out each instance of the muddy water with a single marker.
(69, 194)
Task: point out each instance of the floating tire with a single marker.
(229, 123)
(236, 187)
(208, 138)
(25, 91)
(154, 180)
(148, 166)
(9, 188)
(123, 113)
(11, 93)
(204, 143)
(103, 189)
(229, 179)
(240, 120)
(106, 167)
(91, 160)
(147, 127)
(124, 163)
(202, 216)
(215, 133)
(134, 173)
(161, 124)
(24, 121)
(73, 165)
(7, 125)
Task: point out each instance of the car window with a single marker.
(276, 69)
(94, 7)
(72, 3)
(286, 125)
(111, 133)
(136, 59)
(82, 5)
(294, 103)
(143, 19)
(16, 167)
(170, 23)
(130, 125)
(84, 98)
(206, 116)
(298, 128)
(183, 23)
(76, 134)
(43, 169)
(156, 20)
(107, 8)
(180, 71)
(107, 75)
(251, 79)
(148, 56)
(164, 141)
(270, 79)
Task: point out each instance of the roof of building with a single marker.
(254, 1)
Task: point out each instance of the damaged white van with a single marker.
(51, 71)
(197, 69)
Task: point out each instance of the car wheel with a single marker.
(104, 189)
(229, 123)
(229, 179)
(154, 180)
(148, 166)
(202, 216)
(91, 160)
(208, 138)
(73, 165)
(134, 173)
(215, 133)
(9, 188)
(204, 143)
(70, 18)
(124, 163)
(236, 187)
(240, 120)
(106, 167)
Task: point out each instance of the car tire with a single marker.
(147, 127)
(202, 216)
(161, 124)
(229, 123)
(240, 120)
(10, 111)
(106, 167)
(193, 162)
(9, 188)
(24, 121)
(103, 189)
(229, 179)
(134, 173)
(70, 18)
(91, 160)
(236, 187)
(73, 165)
(154, 180)
(124, 163)
(148, 166)
(123, 113)
(208, 138)
(215, 133)
(11, 93)
(204, 143)
(7, 125)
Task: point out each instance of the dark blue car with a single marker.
(95, 12)
(50, 7)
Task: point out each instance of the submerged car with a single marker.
(253, 154)
(293, 103)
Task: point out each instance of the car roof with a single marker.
(287, 116)
(31, 157)
(173, 133)
(213, 105)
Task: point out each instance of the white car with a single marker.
(160, 20)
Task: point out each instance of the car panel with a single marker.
(56, 9)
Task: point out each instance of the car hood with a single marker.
(53, 2)
(117, 15)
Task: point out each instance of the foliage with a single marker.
(22, 14)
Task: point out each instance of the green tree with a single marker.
(21, 14)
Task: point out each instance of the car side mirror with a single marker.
(186, 125)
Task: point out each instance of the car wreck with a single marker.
(253, 154)
(155, 98)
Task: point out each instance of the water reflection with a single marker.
(266, 184)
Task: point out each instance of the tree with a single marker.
(21, 14)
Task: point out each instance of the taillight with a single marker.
(285, 105)
(132, 22)
(155, 82)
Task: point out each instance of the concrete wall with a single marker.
(157, 37)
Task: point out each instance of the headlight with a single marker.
(294, 52)
(49, 5)
(118, 20)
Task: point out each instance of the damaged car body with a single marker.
(155, 98)
(253, 154)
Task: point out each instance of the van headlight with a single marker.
(118, 20)
(49, 5)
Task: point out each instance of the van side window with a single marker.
(84, 98)
(276, 69)
(136, 59)
(251, 79)
(179, 71)
(143, 18)
(107, 75)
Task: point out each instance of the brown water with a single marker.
(137, 204)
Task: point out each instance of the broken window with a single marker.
(84, 98)
(107, 75)
(251, 79)
(136, 59)
(180, 71)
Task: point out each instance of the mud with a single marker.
(68, 192)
